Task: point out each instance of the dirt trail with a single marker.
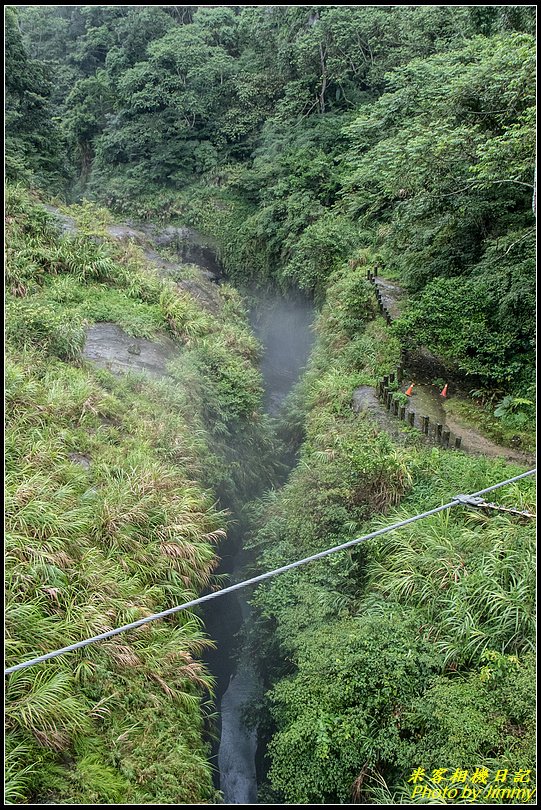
(474, 442)
(423, 368)
(427, 401)
(392, 295)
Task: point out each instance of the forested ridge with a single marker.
(312, 143)
(400, 130)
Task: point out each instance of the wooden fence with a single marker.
(371, 276)
(438, 433)
(435, 432)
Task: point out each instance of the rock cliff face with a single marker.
(111, 347)
(108, 346)
(191, 247)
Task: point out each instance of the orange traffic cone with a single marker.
(409, 392)
(444, 392)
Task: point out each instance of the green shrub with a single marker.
(340, 712)
(39, 325)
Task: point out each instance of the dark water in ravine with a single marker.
(283, 326)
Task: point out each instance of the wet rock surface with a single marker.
(203, 257)
(126, 232)
(365, 400)
(238, 744)
(366, 403)
(165, 268)
(66, 224)
(191, 247)
(392, 296)
(80, 459)
(206, 294)
(106, 343)
(108, 346)
(165, 236)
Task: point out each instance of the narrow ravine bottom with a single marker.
(238, 743)
(283, 325)
(238, 740)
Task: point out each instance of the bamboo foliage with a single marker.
(474, 582)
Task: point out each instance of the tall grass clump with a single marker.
(112, 515)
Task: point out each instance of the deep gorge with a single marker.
(197, 198)
(282, 325)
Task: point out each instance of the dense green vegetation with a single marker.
(32, 141)
(315, 130)
(414, 650)
(312, 143)
(111, 515)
